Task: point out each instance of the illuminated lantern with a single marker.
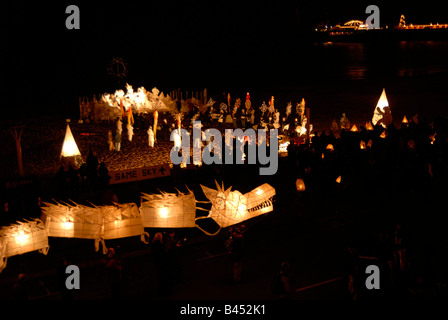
(283, 144)
(300, 185)
(369, 143)
(432, 138)
(354, 128)
(23, 237)
(382, 114)
(330, 147)
(362, 145)
(122, 221)
(383, 135)
(369, 126)
(69, 147)
(338, 179)
(405, 120)
(76, 221)
(168, 210)
(232, 207)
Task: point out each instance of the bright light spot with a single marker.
(21, 239)
(68, 225)
(163, 212)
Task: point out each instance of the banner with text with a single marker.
(139, 174)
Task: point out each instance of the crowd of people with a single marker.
(390, 171)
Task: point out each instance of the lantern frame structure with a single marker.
(98, 222)
(232, 207)
(72, 221)
(25, 236)
(122, 221)
(168, 210)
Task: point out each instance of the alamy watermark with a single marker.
(73, 280)
(257, 147)
(373, 21)
(73, 20)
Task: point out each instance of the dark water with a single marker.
(349, 77)
(358, 61)
(332, 78)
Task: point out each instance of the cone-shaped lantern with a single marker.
(382, 114)
(69, 148)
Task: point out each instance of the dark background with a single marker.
(168, 44)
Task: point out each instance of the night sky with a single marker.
(168, 44)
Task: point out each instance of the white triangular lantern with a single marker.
(69, 148)
(380, 113)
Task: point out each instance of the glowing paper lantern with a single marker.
(330, 147)
(69, 147)
(76, 221)
(232, 207)
(362, 145)
(23, 237)
(369, 126)
(283, 147)
(99, 222)
(122, 221)
(339, 179)
(168, 210)
(382, 112)
(354, 128)
(300, 185)
(405, 120)
(383, 135)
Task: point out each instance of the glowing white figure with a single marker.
(130, 131)
(150, 137)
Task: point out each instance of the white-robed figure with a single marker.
(130, 131)
(150, 136)
(119, 126)
(276, 119)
